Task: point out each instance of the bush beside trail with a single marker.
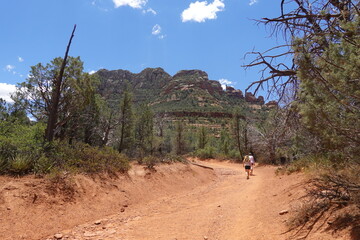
(22, 152)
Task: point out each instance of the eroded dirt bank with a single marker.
(31, 208)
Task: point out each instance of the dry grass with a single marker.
(332, 203)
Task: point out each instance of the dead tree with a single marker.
(55, 96)
(320, 20)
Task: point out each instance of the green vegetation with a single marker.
(23, 151)
(103, 121)
(126, 122)
(76, 145)
(94, 133)
(317, 129)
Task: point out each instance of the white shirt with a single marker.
(251, 158)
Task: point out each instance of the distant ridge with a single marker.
(188, 91)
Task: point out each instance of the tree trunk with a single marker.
(246, 141)
(55, 97)
(121, 137)
(106, 137)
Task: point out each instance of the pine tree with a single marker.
(330, 90)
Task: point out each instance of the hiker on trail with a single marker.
(252, 161)
(247, 165)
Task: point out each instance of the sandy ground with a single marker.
(177, 202)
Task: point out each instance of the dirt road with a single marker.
(228, 208)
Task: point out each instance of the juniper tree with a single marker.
(330, 90)
(35, 95)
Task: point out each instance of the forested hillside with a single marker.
(186, 91)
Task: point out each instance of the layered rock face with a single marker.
(232, 92)
(187, 90)
(146, 84)
(249, 97)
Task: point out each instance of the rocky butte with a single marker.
(188, 91)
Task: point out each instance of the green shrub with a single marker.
(234, 154)
(7, 149)
(20, 146)
(205, 153)
(20, 165)
(85, 158)
(150, 161)
(171, 158)
(22, 151)
(4, 164)
(308, 163)
(43, 165)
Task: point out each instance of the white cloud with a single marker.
(201, 11)
(20, 59)
(156, 30)
(99, 4)
(130, 3)
(9, 68)
(5, 91)
(225, 82)
(92, 72)
(252, 2)
(150, 10)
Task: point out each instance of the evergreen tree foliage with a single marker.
(77, 92)
(144, 130)
(126, 122)
(225, 142)
(330, 89)
(202, 137)
(322, 39)
(179, 138)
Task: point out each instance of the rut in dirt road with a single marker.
(230, 207)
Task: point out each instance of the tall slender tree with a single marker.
(54, 103)
(202, 137)
(144, 130)
(179, 140)
(126, 121)
(237, 129)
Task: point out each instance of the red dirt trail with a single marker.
(177, 202)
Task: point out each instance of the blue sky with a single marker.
(212, 36)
